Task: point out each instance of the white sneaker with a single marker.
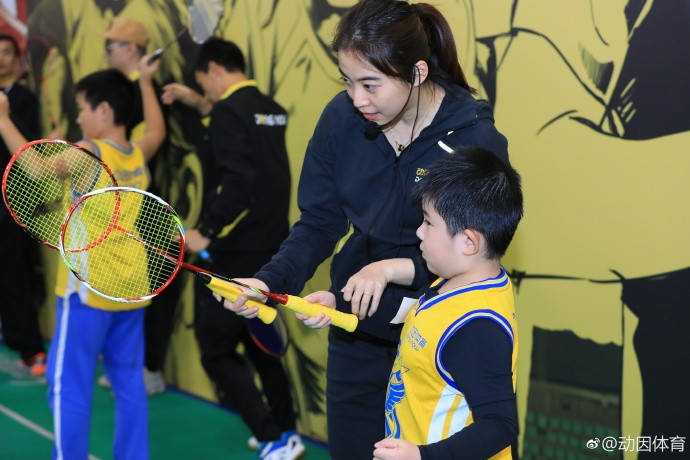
(288, 447)
(103, 382)
(253, 443)
(154, 382)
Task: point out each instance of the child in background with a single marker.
(88, 325)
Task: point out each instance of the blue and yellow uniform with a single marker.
(88, 325)
(424, 404)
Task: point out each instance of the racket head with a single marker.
(44, 178)
(273, 339)
(123, 243)
(203, 18)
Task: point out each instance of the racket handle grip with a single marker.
(229, 291)
(156, 55)
(346, 321)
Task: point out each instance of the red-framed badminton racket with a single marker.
(127, 245)
(44, 178)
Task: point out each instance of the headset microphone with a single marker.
(372, 130)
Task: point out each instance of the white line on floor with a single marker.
(32, 426)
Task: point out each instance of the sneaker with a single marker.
(35, 366)
(103, 382)
(154, 382)
(253, 443)
(288, 447)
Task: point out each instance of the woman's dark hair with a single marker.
(393, 35)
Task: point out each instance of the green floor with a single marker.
(181, 426)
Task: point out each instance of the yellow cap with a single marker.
(129, 30)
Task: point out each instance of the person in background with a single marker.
(406, 104)
(87, 325)
(243, 222)
(125, 43)
(21, 284)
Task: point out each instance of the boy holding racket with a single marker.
(125, 44)
(88, 325)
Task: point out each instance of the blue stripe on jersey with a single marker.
(453, 328)
(489, 283)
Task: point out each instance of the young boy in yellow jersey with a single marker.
(451, 393)
(88, 325)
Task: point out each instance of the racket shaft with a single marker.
(346, 321)
(228, 291)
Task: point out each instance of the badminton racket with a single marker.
(127, 245)
(346, 321)
(272, 338)
(202, 19)
(44, 178)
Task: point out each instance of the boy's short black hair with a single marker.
(222, 52)
(11, 39)
(472, 188)
(109, 86)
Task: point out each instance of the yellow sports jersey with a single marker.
(423, 404)
(130, 170)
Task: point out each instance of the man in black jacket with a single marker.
(244, 221)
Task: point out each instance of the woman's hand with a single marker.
(238, 306)
(325, 298)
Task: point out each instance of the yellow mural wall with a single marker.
(605, 172)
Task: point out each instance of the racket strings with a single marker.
(123, 244)
(160, 227)
(42, 181)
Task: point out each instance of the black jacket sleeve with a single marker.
(479, 356)
(234, 167)
(322, 221)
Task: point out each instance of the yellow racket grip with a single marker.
(346, 321)
(231, 292)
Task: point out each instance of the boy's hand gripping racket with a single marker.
(41, 181)
(346, 321)
(127, 245)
